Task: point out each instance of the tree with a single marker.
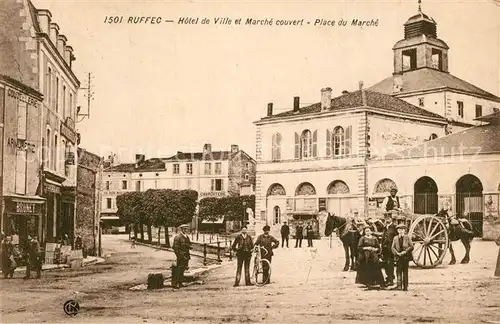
(210, 209)
(130, 210)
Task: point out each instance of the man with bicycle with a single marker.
(269, 243)
(243, 246)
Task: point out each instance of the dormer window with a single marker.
(410, 59)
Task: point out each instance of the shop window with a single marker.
(216, 185)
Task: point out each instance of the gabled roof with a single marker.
(355, 100)
(429, 79)
(471, 141)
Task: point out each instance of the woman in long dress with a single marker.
(369, 271)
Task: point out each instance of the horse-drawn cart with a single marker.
(430, 237)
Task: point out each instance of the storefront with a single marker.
(52, 194)
(23, 216)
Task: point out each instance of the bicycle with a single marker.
(258, 266)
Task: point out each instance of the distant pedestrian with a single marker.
(299, 234)
(269, 243)
(310, 235)
(33, 258)
(181, 247)
(243, 246)
(9, 263)
(285, 233)
(401, 248)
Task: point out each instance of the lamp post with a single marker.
(243, 219)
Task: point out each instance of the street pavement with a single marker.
(307, 286)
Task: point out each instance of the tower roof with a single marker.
(420, 24)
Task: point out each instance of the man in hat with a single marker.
(243, 246)
(269, 243)
(285, 233)
(299, 234)
(402, 247)
(391, 202)
(181, 247)
(33, 258)
(388, 235)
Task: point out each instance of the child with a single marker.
(402, 247)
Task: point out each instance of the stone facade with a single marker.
(89, 177)
(241, 172)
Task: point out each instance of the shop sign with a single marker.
(52, 188)
(68, 133)
(25, 208)
(22, 97)
(21, 145)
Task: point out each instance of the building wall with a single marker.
(241, 169)
(390, 135)
(87, 211)
(18, 50)
(445, 104)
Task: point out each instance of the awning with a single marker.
(25, 199)
(109, 217)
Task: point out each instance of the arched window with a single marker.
(276, 147)
(277, 215)
(384, 186)
(306, 144)
(276, 190)
(432, 137)
(338, 141)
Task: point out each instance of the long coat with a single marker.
(269, 243)
(243, 246)
(388, 236)
(181, 247)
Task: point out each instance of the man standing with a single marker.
(401, 248)
(181, 247)
(33, 258)
(299, 234)
(285, 232)
(243, 246)
(387, 238)
(310, 234)
(269, 243)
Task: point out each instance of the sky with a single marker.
(163, 88)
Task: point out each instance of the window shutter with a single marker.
(328, 143)
(213, 185)
(297, 146)
(278, 147)
(221, 184)
(273, 148)
(315, 144)
(348, 140)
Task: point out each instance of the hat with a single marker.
(183, 226)
(394, 189)
(266, 228)
(401, 226)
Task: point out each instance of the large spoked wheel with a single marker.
(258, 272)
(430, 236)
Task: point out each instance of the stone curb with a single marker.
(46, 267)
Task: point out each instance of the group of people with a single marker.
(299, 234)
(395, 248)
(12, 255)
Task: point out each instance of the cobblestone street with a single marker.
(327, 295)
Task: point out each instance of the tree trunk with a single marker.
(141, 229)
(150, 233)
(159, 235)
(167, 239)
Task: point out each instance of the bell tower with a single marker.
(420, 47)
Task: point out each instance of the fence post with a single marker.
(192, 236)
(218, 252)
(203, 237)
(225, 242)
(210, 239)
(204, 254)
(230, 250)
(196, 236)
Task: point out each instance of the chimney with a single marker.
(269, 109)
(207, 149)
(363, 93)
(326, 99)
(68, 50)
(397, 83)
(296, 104)
(61, 44)
(139, 159)
(234, 148)
(54, 33)
(44, 17)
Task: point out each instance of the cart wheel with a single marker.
(430, 237)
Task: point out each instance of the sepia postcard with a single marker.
(250, 161)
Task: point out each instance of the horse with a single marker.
(458, 229)
(349, 236)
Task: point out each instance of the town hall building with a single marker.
(330, 156)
